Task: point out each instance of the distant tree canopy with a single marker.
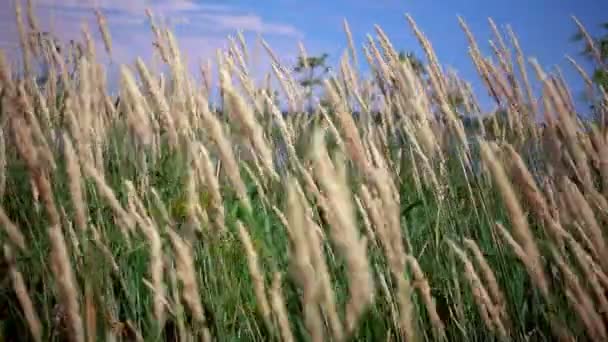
(312, 70)
(414, 61)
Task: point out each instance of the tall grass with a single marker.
(156, 216)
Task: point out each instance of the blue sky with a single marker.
(543, 26)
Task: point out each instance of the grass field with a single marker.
(157, 216)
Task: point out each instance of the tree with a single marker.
(414, 61)
(308, 67)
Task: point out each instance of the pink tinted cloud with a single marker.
(251, 22)
(203, 29)
(127, 21)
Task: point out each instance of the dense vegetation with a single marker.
(158, 215)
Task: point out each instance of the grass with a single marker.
(157, 217)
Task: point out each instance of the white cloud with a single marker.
(200, 17)
(250, 22)
(201, 29)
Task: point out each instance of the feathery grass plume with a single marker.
(97, 239)
(242, 45)
(75, 186)
(373, 209)
(588, 265)
(430, 53)
(588, 82)
(13, 232)
(333, 129)
(351, 136)
(159, 42)
(278, 306)
(31, 17)
(23, 41)
(23, 105)
(178, 308)
(315, 239)
(286, 87)
(285, 131)
(595, 52)
(539, 205)
(494, 290)
(580, 299)
(504, 52)
(421, 107)
(390, 233)
(75, 244)
(38, 175)
(601, 145)
(258, 184)
(88, 50)
(105, 32)
(591, 226)
(237, 54)
(137, 118)
(192, 203)
(229, 163)
(45, 116)
(6, 78)
(488, 310)
(159, 101)
(66, 284)
(125, 221)
(213, 186)
(583, 236)
(20, 289)
(344, 233)
(301, 262)
(371, 236)
(257, 275)
(252, 128)
(519, 56)
(184, 263)
(73, 126)
(563, 90)
(567, 126)
(423, 286)
(518, 219)
(555, 323)
(84, 99)
(160, 206)
(351, 44)
(155, 268)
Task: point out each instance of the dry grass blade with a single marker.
(256, 274)
(75, 185)
(278, 306)
(580, 300)
(185, 272)
(68, 290)
(104, 30)
(301, 262)
(13, 232)
(126, 222)
(344, 233)
(423, 286)
(19, 286)
(488, 310)
(494, 290)
(518, 219)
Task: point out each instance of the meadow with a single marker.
(162, 215)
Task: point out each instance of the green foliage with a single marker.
(307, 67)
